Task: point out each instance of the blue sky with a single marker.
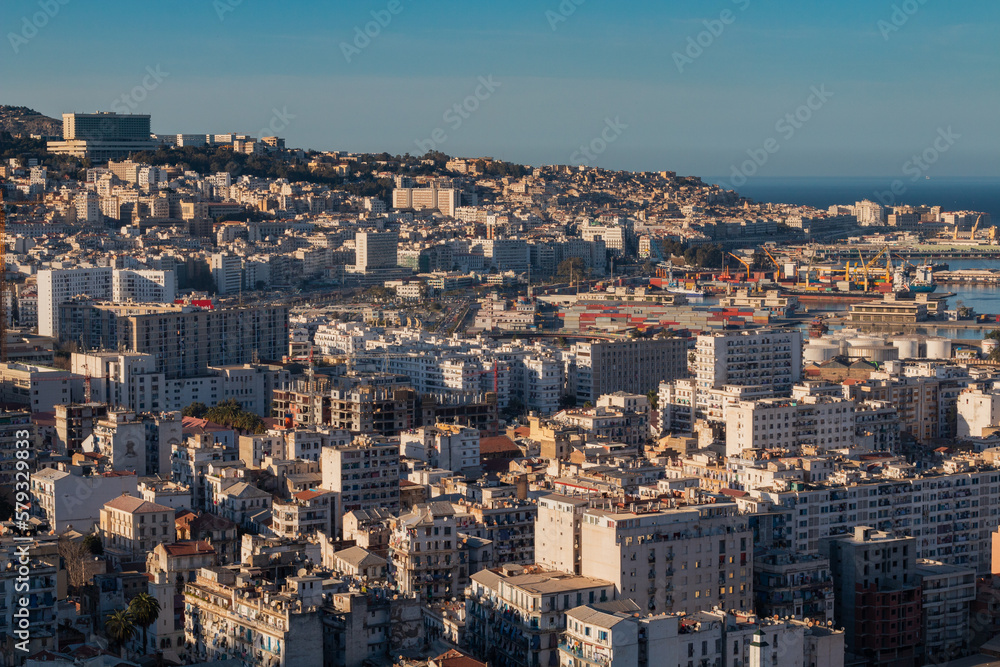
(895, 72)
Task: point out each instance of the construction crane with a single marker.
(777, 267)
(972, 234)
(495, 371)
(865, 269)
(743, 262)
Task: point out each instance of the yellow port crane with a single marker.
(743, 262)
(771, 257)
(972, 234)
(865, 268)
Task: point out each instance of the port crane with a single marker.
(777, 267)
(865, 269)
(743, 262)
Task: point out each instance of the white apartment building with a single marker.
(375, 250)
(951, 512)
(977, 410)
(945, 592)
(557, 532)
(448, 446)
(342, 338)
(225, 620)
(227, 272)
(615, 637)
(516, 614)
(56, 286)
(41, 388)
(365, 473)
(541, 382)
(121, 437)
(130, 380)
(131, 527)
(43, 588)
(73, 500)
(88, 207)
(444, 200)
(305, 513)
(826, 422)
(425, 547)
(504, 254)
(869, 213)
(682, 402)
(143, 286)
(688, 559)
(770, 358)
(615, 238)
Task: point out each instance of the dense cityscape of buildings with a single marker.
(476, 420)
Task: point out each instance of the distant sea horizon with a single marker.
(952, 193)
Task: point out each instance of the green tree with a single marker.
(94, 545)
(195, 410)
(230, 413)
(653, 396)
(571, 268)
(144, 610)
(120, 628)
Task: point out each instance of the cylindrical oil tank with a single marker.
(909, 348)
(819, 351)
(938, 348)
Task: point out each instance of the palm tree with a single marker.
(120, 627)
(144, 610)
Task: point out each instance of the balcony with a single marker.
(578, 651)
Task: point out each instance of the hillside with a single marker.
(22, 120)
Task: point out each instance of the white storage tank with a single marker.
(866, 341)
(877, 353)
(819, 351)
(989, 344)
(938, 348)
(909, 348)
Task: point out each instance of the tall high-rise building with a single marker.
(375, 250)
(749, 358)
(103, 135)
(57, 286)
(227, 272)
